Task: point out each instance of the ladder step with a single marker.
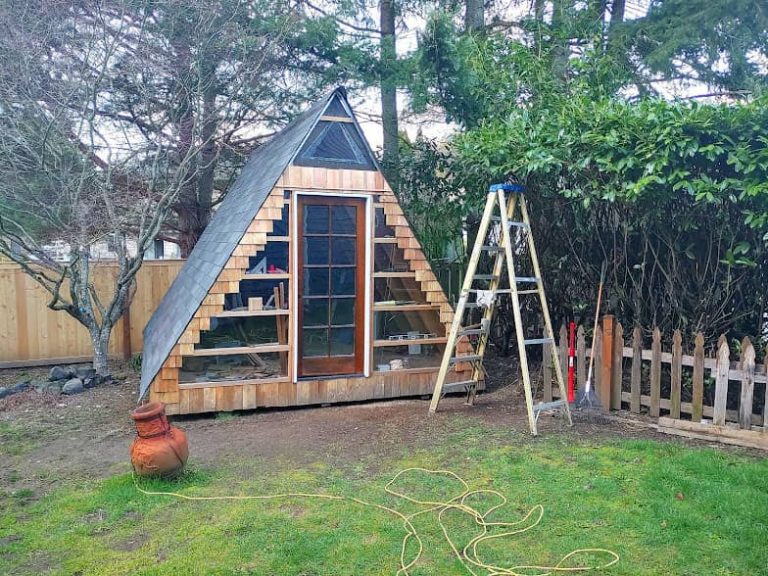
(515, 223)
(544, 406)
(493, 249)
(459, 386)
(527, 279)
(466, 358)
(533, 341)
(485, 277)
(527, 292)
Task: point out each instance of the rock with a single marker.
(5, 392)
(73, 386)
(54, 388)
(20, 387)
(84, 372)
(60, 373)
(97, 380)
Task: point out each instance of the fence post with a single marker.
(655, 373)
(617, 377)
(721, 382)
(637, 363)
(606, 367)
(765, 373)
(697, 402)
(581, 359)
(675, 390)
(747, 366)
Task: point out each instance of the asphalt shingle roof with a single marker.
(221, 237)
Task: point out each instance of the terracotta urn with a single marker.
(160, 449)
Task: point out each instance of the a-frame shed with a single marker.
(307, 287)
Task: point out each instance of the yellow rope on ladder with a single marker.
(469, 556)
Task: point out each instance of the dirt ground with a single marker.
(63, 438)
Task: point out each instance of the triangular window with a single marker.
(335, 145)
(336, 108)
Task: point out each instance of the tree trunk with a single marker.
(474, 15)
(100, 340)
(560, 50)
(388, 64)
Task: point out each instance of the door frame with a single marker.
(294, 287)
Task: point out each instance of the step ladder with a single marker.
(496, 237)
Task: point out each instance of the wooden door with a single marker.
(331, 285)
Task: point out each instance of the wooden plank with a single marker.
(618, 367)
(394, 274)
(721, 383)
(224, 383)
(388, 343)
(546, 371)
(747, 383)
(606, 366)
(685, 408)
(725, 434)
(676, 375)
(404, 307)
(697, 400)
(251, 313)
(261, 349)
(635, 385)
(655, 373)
(277, 276)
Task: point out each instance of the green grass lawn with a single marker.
(664, 508)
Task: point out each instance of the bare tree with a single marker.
(71, 172)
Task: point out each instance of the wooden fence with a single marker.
(33, 334)
(699, 386)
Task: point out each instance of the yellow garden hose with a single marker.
(469, 556)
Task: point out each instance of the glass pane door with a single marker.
(331, 265)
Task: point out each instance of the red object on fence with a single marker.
(571, 363)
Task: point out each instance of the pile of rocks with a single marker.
(61, 380)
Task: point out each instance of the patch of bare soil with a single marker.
(88, 435)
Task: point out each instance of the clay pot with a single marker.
(160, 449)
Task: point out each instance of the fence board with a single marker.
(33, 334)
(581, 359)
(697, 400)
(765, 371)
(655, 373)
(606, 366)
(637, 362)
(721, 383)
(676, 375)
(618, 367)
(747, 383)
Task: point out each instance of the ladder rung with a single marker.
(543, 406)
(463, 385)
(533, 341)
(485, 277)
(516, 223)
(493, 249)
(471, 331)
(466, 358)
(524, 279)
(528, 291)
(471, 305)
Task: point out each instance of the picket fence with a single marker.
(702, 386)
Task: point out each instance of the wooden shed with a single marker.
(307, 287)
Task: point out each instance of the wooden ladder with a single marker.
(498, 240)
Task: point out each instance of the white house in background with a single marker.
(60, 251)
